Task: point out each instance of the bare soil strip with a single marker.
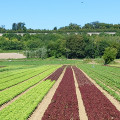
(11, 56)
(111, 98)
(15, 98)
(39, 112)
(82, 112)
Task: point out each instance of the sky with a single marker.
(46, 14)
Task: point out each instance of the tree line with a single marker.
(61, 45)
(72, 27)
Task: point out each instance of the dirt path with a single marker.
(11, 56)
(112, 99)
(82, 112)
(39, 112)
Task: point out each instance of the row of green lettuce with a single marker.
(8, 94)
(23, 107)
(20, 77)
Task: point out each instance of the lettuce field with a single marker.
(24, 89)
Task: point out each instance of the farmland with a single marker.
(93, 98)
(107, 77)
(24, 87)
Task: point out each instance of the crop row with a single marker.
(56, 74)
(103, 79)
(12, 92)
(64, 104)
(97, 106)
(22, 108)
(10, 68)
(23, 76)
(15, 75)
(108, 79)
(110, 70)
(9, 73)
(18, 70)
(105, 71)
(103, 76)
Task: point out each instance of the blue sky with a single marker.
(46, 14)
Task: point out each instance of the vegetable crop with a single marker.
(97, 106)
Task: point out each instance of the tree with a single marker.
(101, 46)
(2, 29)
(39, 53)
(55, 28)
(32, 44)
(14, 26)
(19, 26)
(3, 26)
(71, 27)
(43, 53)
(109, 55)
(90, 50)
(76, 46)
(13, 44)
(56, 48)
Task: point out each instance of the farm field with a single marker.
(107, 77)
(24, 88)
(93, 98)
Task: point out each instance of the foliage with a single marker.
(60, 44)
(56, 48)
(76, 45)
(13, 44)
(19, 26)
(39, 53)
(95, 26)
(71, 27)
(109, 55)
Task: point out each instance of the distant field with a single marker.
(37, 62)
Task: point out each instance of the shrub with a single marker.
(109, 55)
